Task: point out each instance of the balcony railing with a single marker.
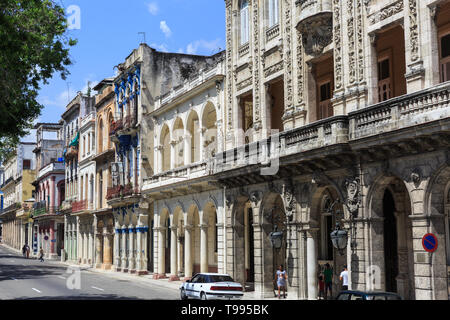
(116, 126)
(122, 191)
(401, 112)
(79, 206)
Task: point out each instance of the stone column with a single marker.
(107, 251)
(188, 252)
(124, 249)
(162, 253)
(91, 248)
(139, 249)
(203, 248)
(117, 249)
(131, 256)
(187, 149)
(144, 250)
(52, 237)
(311, 257)
(98, 250)
(52, 195)
(172, 154)
(173, 253)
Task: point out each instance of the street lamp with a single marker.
(339, 236)
(276, 238)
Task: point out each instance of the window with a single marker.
(244, 21)
(444, 44)
(26, 164)
(384, 79)
(273, 13)
(325, 106)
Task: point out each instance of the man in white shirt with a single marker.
(344, 278)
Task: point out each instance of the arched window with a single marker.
(273, 13)
(244, 19)
(100, 136)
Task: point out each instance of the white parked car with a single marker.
(213, 286)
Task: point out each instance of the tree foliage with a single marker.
(33, 46)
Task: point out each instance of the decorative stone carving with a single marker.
(229, 58)
(353, 196)
(288, 56)
(300, 86)
(255, 197)
(416, 176)
(337, 44)
(289, 200)
(413, 30)
(351, 41)
(229, 200)
(256, 75)
(317, 34)
(386, 12)
(360, 40)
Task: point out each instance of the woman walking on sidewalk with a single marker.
(41, 255)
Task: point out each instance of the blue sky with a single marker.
(109, 32)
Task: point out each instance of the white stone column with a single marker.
(139, 249)
(117, 252)
(311, 257)
(187, 149)
(201, 130)
(131, 256)
(124, 249)
(172, 154)
(144, 250)
(188, 252)
(162, 252)
(203, 248)
(173, 253)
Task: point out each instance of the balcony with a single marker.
(317, 135)
(79, 206)
(315, 22)
(401, 112)
(72, 152)
(121, 191)
(116, 126)
(51, 167)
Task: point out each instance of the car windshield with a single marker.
(219, 278)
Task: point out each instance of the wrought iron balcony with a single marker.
(79, 206)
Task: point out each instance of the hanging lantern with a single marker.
(339, 239)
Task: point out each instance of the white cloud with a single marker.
(165, 28)
(209, 46)
(180, 50)
(153, 8)
(161, 47)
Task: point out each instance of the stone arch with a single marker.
(390, 233)
(109, 126)
(100, 133)
(192, 240)
(178, 138)
(165, 144)
(193, 129)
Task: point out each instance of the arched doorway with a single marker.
(391, 236)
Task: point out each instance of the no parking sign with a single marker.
(429, 242)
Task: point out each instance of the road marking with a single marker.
(12, 261)
(36, 290)
(61, 277)
(98, 288)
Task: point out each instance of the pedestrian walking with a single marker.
(321, 287)
(281, 281)
(24, 250)
(328, 273)
(28, 251)
(344, 278)
(41, 255)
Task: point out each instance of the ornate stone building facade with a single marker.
(351, 99)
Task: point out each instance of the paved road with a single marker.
(29, 279)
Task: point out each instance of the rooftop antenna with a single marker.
(143, 33)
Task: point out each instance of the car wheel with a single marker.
(183, 295)
(203, 296)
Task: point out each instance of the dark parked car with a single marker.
(361, 295)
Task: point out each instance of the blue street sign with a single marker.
(429, 242)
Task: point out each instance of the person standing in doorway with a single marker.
(41, 255)
(328, 273)
(344, 278)
(281, 281)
